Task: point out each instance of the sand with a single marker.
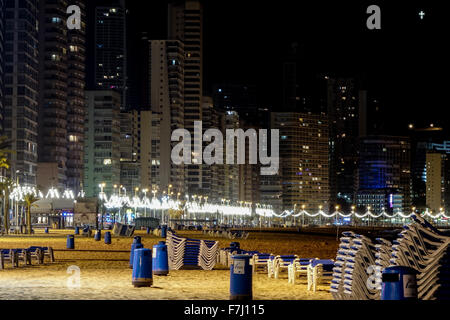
(106, 276)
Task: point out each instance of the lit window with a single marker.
(107, 162)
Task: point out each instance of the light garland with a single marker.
(197, 206)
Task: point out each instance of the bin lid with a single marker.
(400, 269)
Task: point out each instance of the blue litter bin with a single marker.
(160, 259)
(46, 230)
(399, 283)
(98, 235)
(71, 242)
(241, 278)
(134, 246)
(137, 239)
(77, 230)
(142, 268)
(163, 231)
(108, 237)
(236, 245)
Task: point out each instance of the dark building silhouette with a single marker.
(110, 55)
(62, 104)
(346, 114)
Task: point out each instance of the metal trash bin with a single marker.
(142, 268)
(70, 242)
(399, 283)
(160, 259)
(241, 282)
(134, 246)
(236, 245)
(137, 239)
(108, 237)
(98, 235)
(164, 231)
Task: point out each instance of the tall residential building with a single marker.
(1, 66)
(186, 25)
(166, 90)
(385, 164)
(437, 181)
(76, 106)
(20, 75)
(423, 140)
(344, 108)
(102, 142)
(271, 192)
(304, 159)
(146, 130)
(129, 166)
(240, 98)
(150, 152)
(111, 49)
(217, 120)
(302, 91)
(232, 179)
(208, 123)
(62, 104)
(249, 174)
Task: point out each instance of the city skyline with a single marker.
(339, 86)
(397, 64)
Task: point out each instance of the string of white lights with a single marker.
(204, 207)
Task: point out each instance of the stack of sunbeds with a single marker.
(354, 274)
(424, 248)
(184, 252)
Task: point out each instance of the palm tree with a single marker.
(5, 143)
(6, 186)
(29, 200)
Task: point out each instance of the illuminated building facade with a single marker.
(304, 159)
(385, 164)
(437, 181)
(102, 142)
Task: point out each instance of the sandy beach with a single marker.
(106, 276)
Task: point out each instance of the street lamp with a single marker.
(136, 190)
(17, 202)
(337, 215)
(303, 215)
(145, 199)
(102, 199)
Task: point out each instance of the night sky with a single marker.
(402, 65)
